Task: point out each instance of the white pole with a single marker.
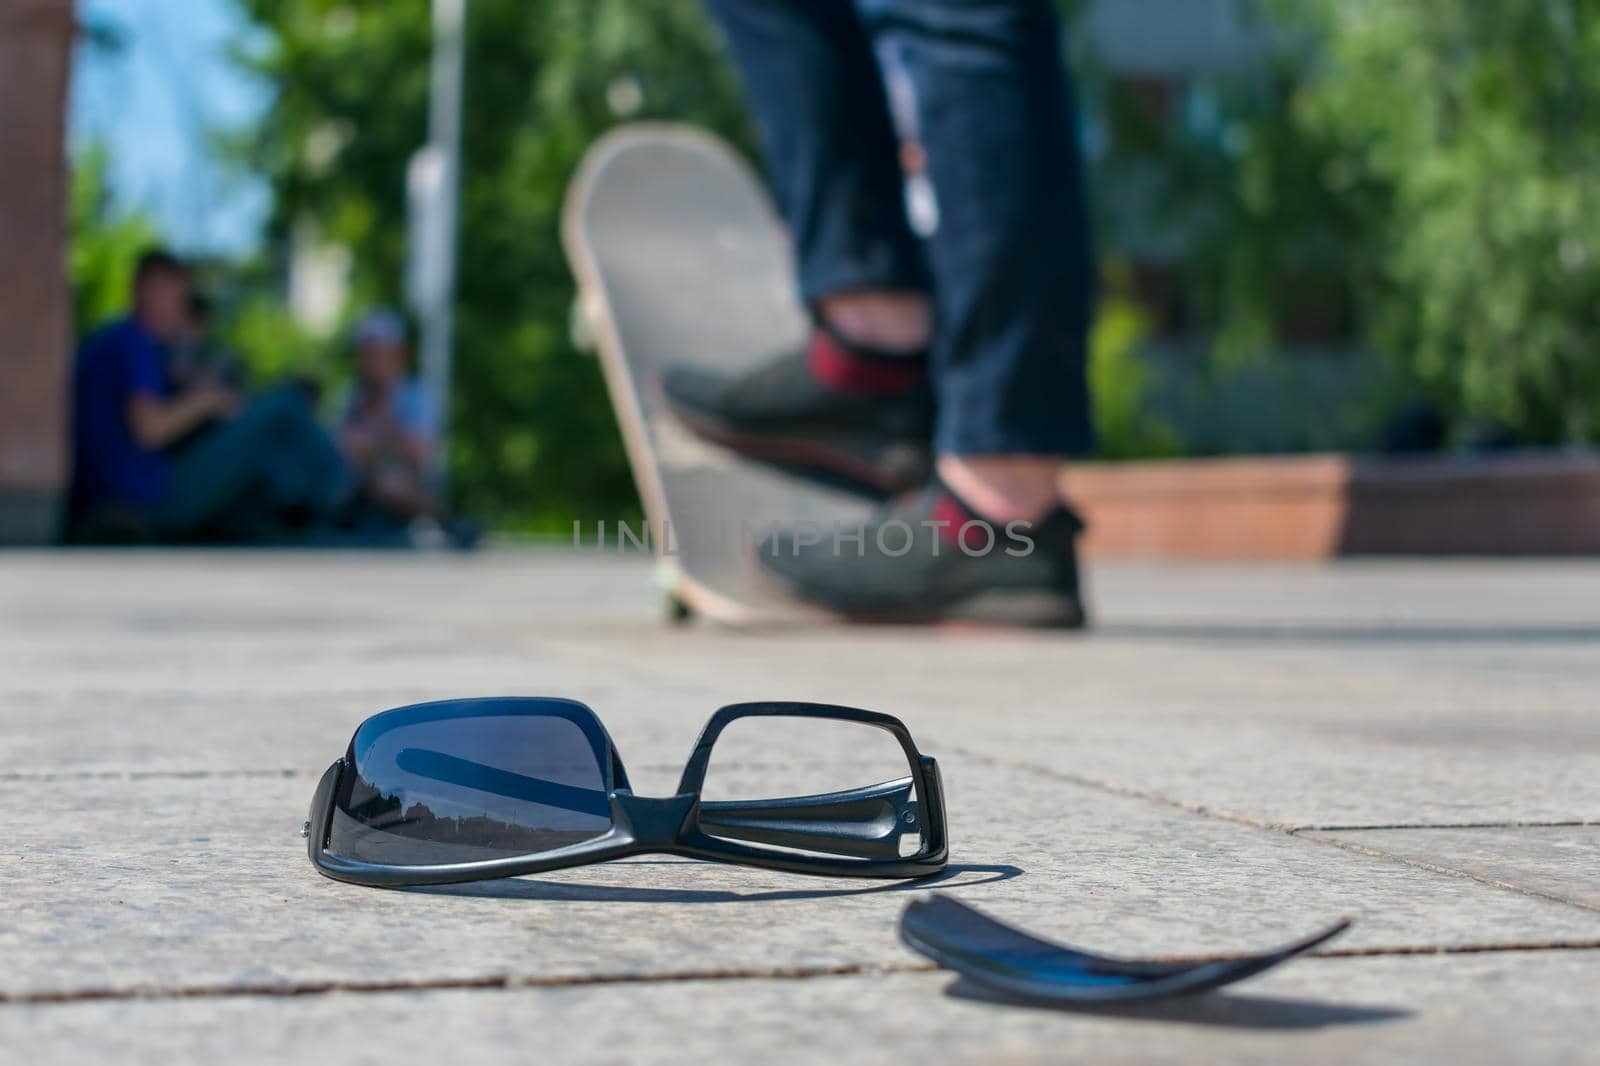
(444, 144)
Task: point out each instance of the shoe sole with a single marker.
(882, 468)
(1011, 609)
(1029, 609)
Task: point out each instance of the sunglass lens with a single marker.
(471, 780)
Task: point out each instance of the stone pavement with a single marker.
(1233, 758)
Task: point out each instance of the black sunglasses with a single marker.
(466, 790)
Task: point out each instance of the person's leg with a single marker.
(853, 399)
(208, 478)
(274, 447)
(814, 89)
(992, 157)
(302, 468)
(1010, 252)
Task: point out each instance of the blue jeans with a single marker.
(838, 87)
(270, 459)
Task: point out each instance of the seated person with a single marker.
(390, 432)
(156, 461)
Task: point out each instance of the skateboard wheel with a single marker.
(675, 611)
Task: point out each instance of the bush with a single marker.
(1473, 124)
(105, 244)
(1119, 381)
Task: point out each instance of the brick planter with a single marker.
(1320, 506)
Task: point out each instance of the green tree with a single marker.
(1473, 124)
(534, 440)
(105, 243)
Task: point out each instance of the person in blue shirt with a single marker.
(390, 432)
(156, 461)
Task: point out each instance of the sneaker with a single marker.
(932, 559)
(853, 413)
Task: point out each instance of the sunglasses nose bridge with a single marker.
(650, 820)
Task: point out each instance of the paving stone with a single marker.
(1497, 1008)
(164, 717)
(1300, 735)
(119, 884)
(1558, 861)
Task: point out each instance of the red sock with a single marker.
(853, 368)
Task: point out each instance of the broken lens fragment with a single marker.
(1005, 959)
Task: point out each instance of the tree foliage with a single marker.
(1470, 128)
(1418, 178)
(1415, 175)
(1224, 182)
(105, 243)
(534, 440)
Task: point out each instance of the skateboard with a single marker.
(680, 257)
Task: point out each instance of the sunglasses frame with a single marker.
(672, 825)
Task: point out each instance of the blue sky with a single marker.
(155, 101)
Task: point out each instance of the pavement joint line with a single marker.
(1382, 951)
(147, 775)
(512, 982)
(291, 989)
(1125, 791)
(1574, 823)
(1522, 890)
(1297, 833)
(19, 776)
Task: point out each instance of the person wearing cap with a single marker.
(389, 435)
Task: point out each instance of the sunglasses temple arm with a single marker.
(864, 822)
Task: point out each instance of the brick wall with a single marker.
(35, 337)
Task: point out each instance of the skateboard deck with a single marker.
(680, 258)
